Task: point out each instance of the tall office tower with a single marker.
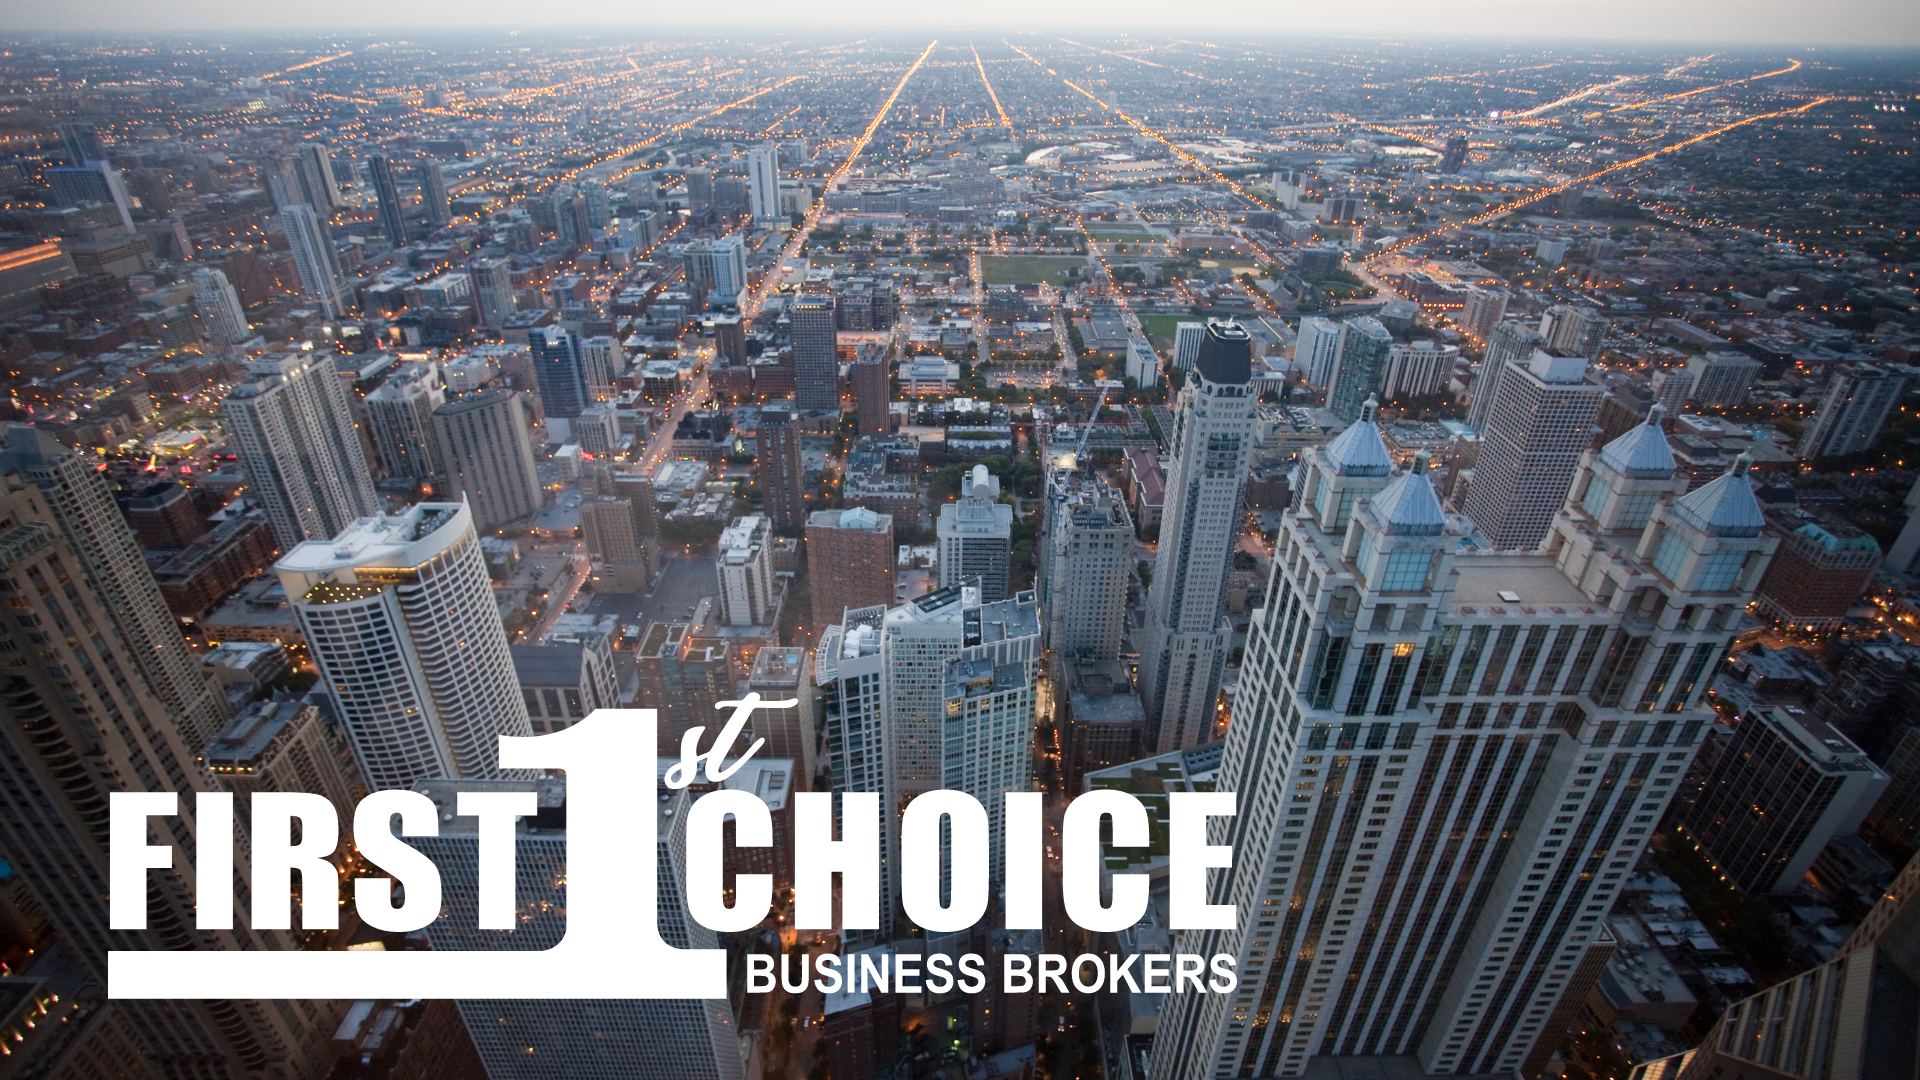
(848, 680)
(1848, 1019)
(745, 568)
(611, 527)
(315, 260)
(560, 372)
(763, 184)
(1859, 399)
(730, 266)
(84, 511)
(872, 388)
(401, 620)
(1511, 343)
(94, 182)
(780, 673)
(87, 712)
(81, 143)
(1573, 330)
(816, 363)
(1361, 367)
(782, 471)
(521, 1039)
(1447, 763)
(1317, 352)
(294, 430)
(400, 417)
(1541, 420)
(1187, 337)
(1485, 307)
(1722, 378)
(697, 258)
(1456, 154)
(958, 701)
(281, 175)
(1185, 646)
(730, 338)
(569, 214)
(433, 192)
(1087, 560)
(386, 189)
(1286, 188)
(850, 562)
(599, 208)
(699, 190)
(975, 535)
(313, 162)
(604, 361)
(482, 445)
(1782, 788)
(219, 308)
(492, 291)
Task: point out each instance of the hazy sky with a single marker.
(1786, 22)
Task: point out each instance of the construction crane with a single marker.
(1105, 386)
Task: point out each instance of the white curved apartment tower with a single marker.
(402, 623)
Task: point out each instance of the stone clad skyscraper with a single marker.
(1185, 647)
(294, 429)
(481, 441)
(1541, 419)
(1447, 761)
(99, 694)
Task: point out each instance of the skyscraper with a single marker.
(1361, 367)
(520, 1039)
(294, 431)
(314, 163)
(433, 192)
(386, 189)
(1486, 306)
(975, 534)
(763, 184)
(492, 291)
(699, 190)
(399, 416)
(872, 388)
(401, 620)
(1086, 563)
(1187, 337)
(1447, 763)
(698, 260)
(315, 260)
(560, 372)
(1508, 343)
(81, 143)
(1455, 155)
(781, 470)
(482, 444)
(1574, 330)
(816, 363)
(958, 698)
(93, 713)
(849, 679)
(219, 308)
(850, 557)
(1184, 649)
(730, 266)
(1317, 351)
(83, 509)
(1859, 399)
(1541, 420)
(94, 182)
(614, 528)
(744, 566)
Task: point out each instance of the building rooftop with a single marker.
(1642, 453)
(548, 665)
(1359, 450)
(550, 820)
(248, 735)
(403, 540)
(1726, 506)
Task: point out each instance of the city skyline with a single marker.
(1481, 451)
